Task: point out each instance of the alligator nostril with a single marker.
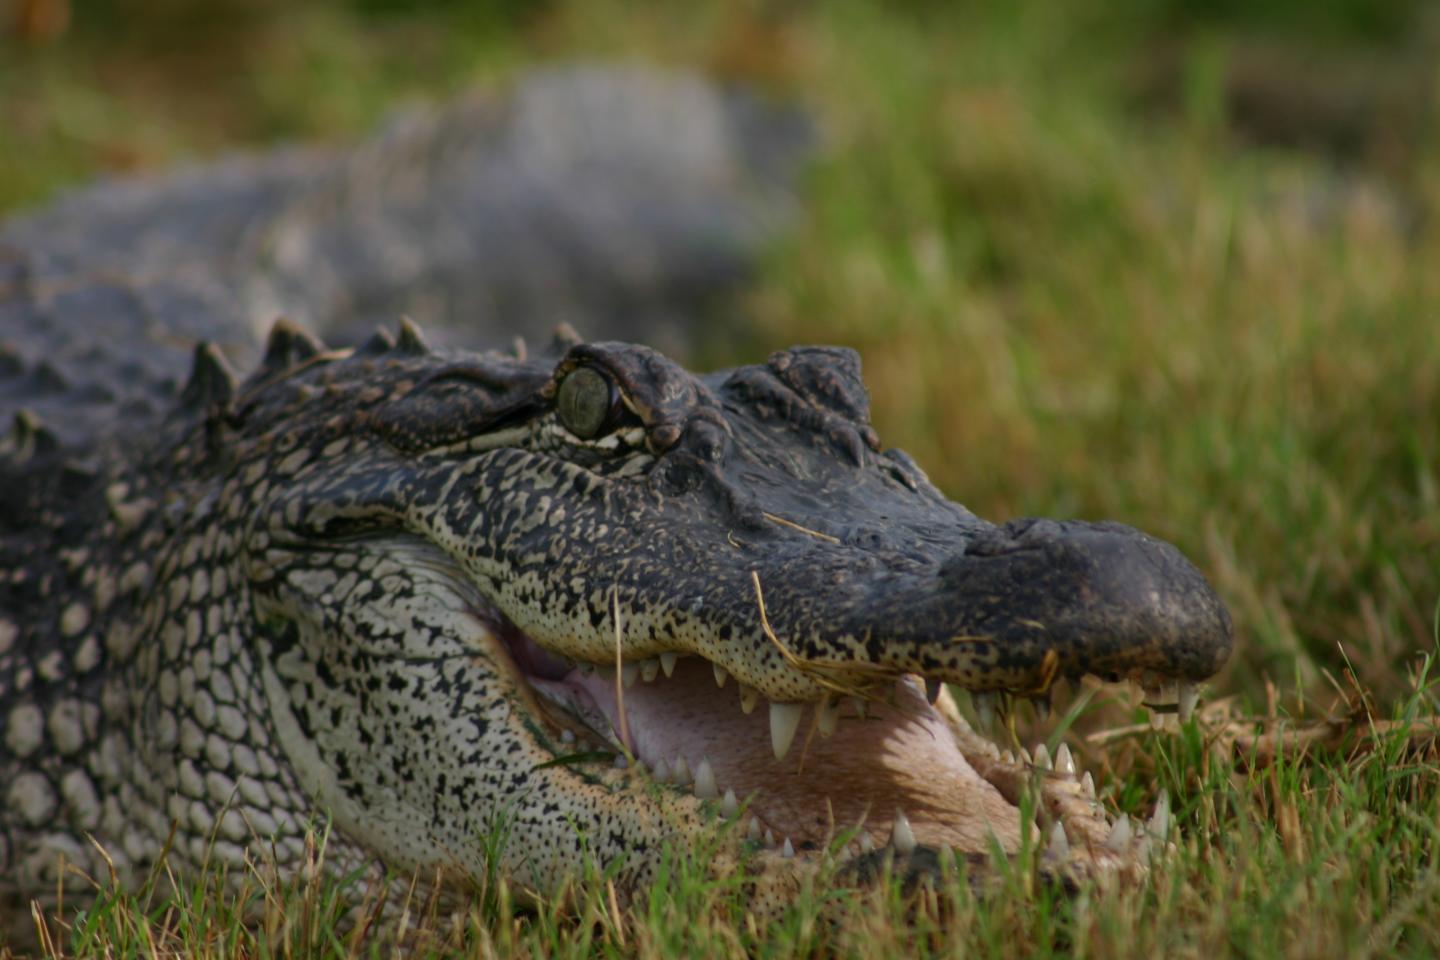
(1032, 530)
(991, 541)
(865, 538)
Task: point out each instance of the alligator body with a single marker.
(389, 585)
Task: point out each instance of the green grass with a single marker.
(1333, 853)
(1083, 285)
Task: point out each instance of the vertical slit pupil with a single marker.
(585, 400)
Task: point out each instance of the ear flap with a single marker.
(463, 402)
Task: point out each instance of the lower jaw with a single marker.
(901, 760)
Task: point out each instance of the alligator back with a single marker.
(621, 201)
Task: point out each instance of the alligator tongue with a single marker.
(901, 756)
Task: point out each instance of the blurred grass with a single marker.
(1063, 311)
(1117, 260)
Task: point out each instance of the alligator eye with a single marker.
(587, 402)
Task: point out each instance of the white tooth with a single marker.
(1120, 834)
(1064, 761)
(1159, 825)
(729, 804)
(1007, 758)
(827, 717)
(1087, 784)
(749, 696)
(1161, 693)
(1025, 755)
(1059, 845)
(784, 721)
(661, 773)
(667, 662)
(705, 787)
(720, 675)
(902, 838)
(867, 842)
(788, 850)
(620, 762)
(1189, 693)
(1042, 756)
(859, 704)
(649, 670)
(682, 771)
(991, 751)
(1157, 722)
(769, 838)
(628, 674)
(567, 736)
(984, 710)
(752, 831)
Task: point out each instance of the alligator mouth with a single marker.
(903, 769)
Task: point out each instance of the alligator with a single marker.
(419, 592)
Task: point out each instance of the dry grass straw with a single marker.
(620, 677)
(824, 672)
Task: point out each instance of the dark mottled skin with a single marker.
(238, 608)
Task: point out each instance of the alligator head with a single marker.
(603, 599)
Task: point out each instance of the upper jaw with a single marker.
(1010, 609)
(1037, 599)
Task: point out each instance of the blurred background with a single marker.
(1172, 262)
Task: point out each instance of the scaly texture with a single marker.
(388, 585)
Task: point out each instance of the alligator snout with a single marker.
(1014, 607)
(1031, 600)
